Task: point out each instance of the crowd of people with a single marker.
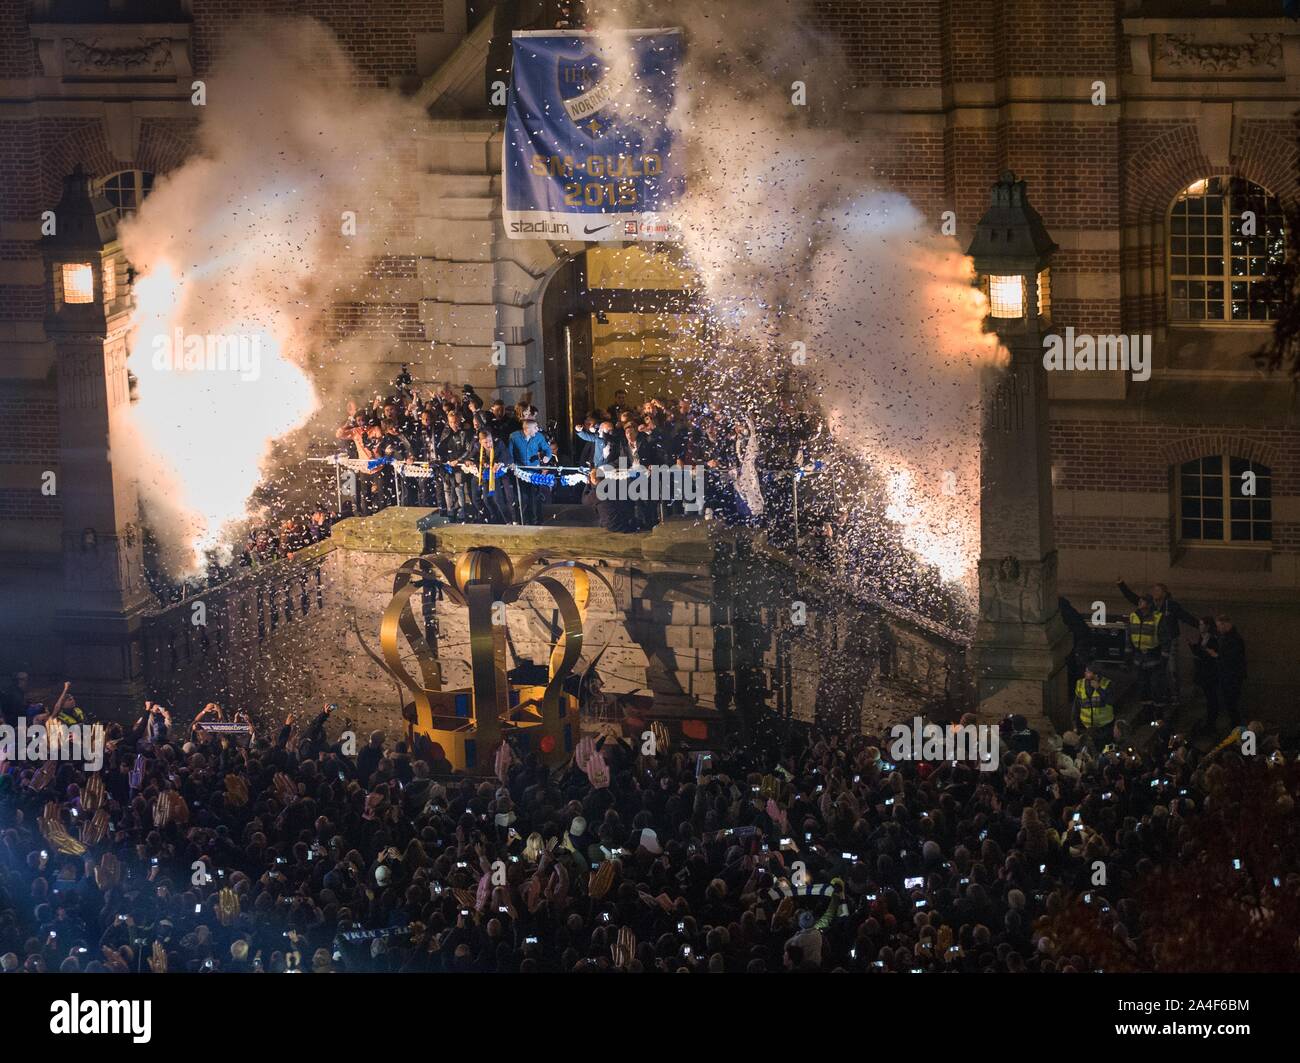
(471, 447)
(243, 850)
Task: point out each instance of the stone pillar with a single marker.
(1021, 642)
(103, 594)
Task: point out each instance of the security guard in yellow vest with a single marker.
(1148, 646)
(1094, 704)
(66, 710)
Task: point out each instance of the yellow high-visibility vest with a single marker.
(1095, 709)
(1144, 633)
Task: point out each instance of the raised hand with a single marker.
(94, 830)
(42, 777)
(92, 794)
(600, 880)
(227, 906)
(285, 788)
(170, 808)
(108, 872)
(51, 826)
(624, 950)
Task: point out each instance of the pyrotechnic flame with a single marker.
(207, 421)
(286, 198)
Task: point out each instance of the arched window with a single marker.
(1225, 499)
(126, 190)
(1225, 239)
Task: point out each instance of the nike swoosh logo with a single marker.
(589, 230)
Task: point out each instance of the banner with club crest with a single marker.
(588, 150)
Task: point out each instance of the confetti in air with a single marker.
(795, 242)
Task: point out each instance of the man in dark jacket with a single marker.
(313, 742)
(1231, 658)
(490, 480)
(451, 447)
(612, 514)
(422, 491)
(1206, 667)
(368, 759)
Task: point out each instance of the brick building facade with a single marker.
(954, 91)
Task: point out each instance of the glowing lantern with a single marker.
(1011, 250)
(1007, 296)
(78, 282)
(83, 256)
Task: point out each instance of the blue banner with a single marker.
(588, 151)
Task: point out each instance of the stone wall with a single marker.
(698, 617)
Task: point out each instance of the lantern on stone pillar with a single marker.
(87, 317)
(85, 269)
(1012, 251)
(1021, 643)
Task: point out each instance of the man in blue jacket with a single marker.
(528, 447)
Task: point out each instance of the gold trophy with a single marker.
(470, 723)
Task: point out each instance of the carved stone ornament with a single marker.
(1179, 52)
(150, 56)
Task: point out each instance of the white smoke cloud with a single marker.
(247, 240)
(795, 242)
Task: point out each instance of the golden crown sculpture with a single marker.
(470, 723)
